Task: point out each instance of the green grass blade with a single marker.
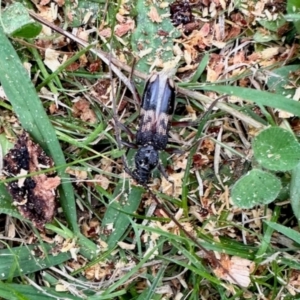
(26, 292)
(201, 68)
(20, 261)
(288, 232)
(6, 206)
(266, 241)
(8, 292)
(149, 293)
(259, 97)
(16, 22)
(118, 212)
(115, 286)
(63, 67)
(295, 191)
(186, 177)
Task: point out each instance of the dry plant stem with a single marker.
(115, 64)
(244, 140)
(217, 157)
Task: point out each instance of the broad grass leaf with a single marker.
(22, 260)
(276, 149)
(14, 291)
(259, 97)
(264, 37)
(6, 204)
(288, 232)
(6, 145)
(281, 80)
(295, 191)
(145, 42)
(80, 10)
(273, 25)
(16, 22)
(293, 7)
(255, 188)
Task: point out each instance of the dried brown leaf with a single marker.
(82, 109)
(235, 269)
(44, 2)
(125, 25)
(102, 181)
(60, 3)
(154, 16)
(105, 32)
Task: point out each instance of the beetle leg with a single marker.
(129, 145)
(196, 123)
(174, 151)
